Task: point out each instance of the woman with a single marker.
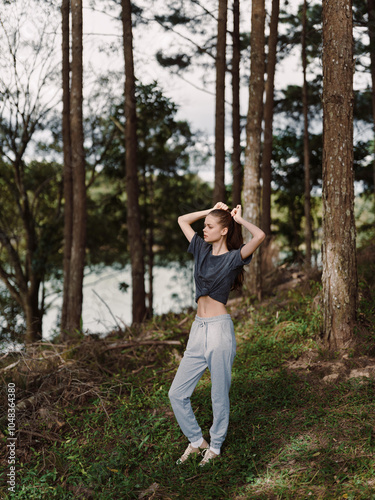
(219, 260)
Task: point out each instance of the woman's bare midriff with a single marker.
(207, 307)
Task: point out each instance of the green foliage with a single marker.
(189, 193)
(42, 180)
(291, 37)
(288, 103)
(12, 324)
(288, 177)
(181, 61)
(166, 146)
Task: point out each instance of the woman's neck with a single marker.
(219, 247)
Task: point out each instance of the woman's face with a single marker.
(213, 231)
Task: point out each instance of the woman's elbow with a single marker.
(262, 236)
(181, 221)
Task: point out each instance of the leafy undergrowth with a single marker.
(96, 423)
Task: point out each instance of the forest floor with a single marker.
(93, 419)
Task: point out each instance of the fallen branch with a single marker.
(142, 368)
(9, 367)
(127, 345)
(44, 436)
(184, 320)
(109, 309)
(158, 373)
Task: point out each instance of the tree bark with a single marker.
(251, 191)
(33, 314)
(371, 32)
(30, 298)
(306, 148)
(148, 188)
(219, 188)
(236, 126)
(136, 246)
(268, 120)
(67, 172)
(339, 234)
(77, 262)
(26, 291)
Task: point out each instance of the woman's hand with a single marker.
(236, 213)
(220, 206)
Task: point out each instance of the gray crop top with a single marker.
(214, 274)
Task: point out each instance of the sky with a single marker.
(195, 105)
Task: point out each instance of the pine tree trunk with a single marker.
(371, 32)
(339, 234)
(77, 262)
(67, 172)
(236, 128)
(268, 120)
(306, 149)
(136, 246)
(251, 191)
(219, 187)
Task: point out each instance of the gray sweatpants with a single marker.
(211, 345)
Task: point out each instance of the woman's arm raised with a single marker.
(258, 235)
(185, 221)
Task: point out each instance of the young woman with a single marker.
(219, 260)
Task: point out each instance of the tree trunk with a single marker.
(251, 191)
(30, 277)
(371, 32)
(268, 120)
(26, 291)
(219, 188)
(77, 262)
(306, 152)
(67, 173)
(236, 126)
(339, 234)
(136, 246)
(33, 314)
(149, 239)
(150, 255)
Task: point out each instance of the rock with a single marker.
(329, 379)
(358, 373)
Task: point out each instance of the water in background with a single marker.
(105, 306)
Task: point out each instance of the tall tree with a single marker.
(136, 246)
(371, 32)
(268, 121)
(26, 105)
(236, 125)
(67, 152)
(78, 235)
(219, 188)
(339, 233)
(251, 189)
(306, 148)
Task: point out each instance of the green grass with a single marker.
(290, 436)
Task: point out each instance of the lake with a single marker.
(104, 304)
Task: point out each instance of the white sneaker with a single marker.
(193, 451)
(208, 456)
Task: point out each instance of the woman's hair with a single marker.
(234, 238)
